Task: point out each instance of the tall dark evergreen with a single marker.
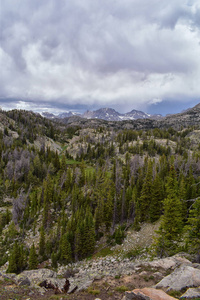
(156, 203)
(33, 259)
(171, 227)
(65, 249)
(17, 260)
(146, 194)
(193, 229)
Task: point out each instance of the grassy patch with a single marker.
(93, 291)
(72, 162)
(122, 289)
(175, 294)
(104, 252)
(136, 251)
(147, 278)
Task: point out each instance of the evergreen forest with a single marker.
(66, 185)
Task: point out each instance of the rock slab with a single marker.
(183, 277)
(35, 276)
(191, 293)
(147, 294)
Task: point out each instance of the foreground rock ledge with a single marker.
(184, 276)
(147, 294)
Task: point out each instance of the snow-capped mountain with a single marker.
(60, 116)
(68, 114)
(48, 115)
(108, 114)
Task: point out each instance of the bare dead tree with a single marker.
(19, 205)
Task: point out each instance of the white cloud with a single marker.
(122, 53)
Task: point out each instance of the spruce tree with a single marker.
(193, 229)
(109, 193)
(42, 243)
(155, 207)
(78, 249)
(89, 234)
(16, 259)
(33, 261)
(54, 262)
(171, 226)
(146, 194)
(65, 249)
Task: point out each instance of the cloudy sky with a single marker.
(85, 54)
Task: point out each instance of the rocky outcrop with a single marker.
(191, 293)
(183, 277)
(35, 276)
(167, 263)
(79, 276)
(58, 285)
(147, 294)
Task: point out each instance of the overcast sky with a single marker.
(85, 54)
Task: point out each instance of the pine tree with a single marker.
(65, 249)
(156, 203)
(193, 228)
(183, 196)
(171, 226)
(16, 259)
(98, 216)
(48, 199)
(54, 262)
(89, 234)
(33, 261)
(108, 191)
(146, 194)
(78, 249)
(42, 243)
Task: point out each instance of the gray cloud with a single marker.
(123, 54)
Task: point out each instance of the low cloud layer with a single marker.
(123, 54)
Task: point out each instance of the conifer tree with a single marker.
(54, 262)
(108, 193)
(183, 197)
(48, 199)
(65, 249)
(146, 194)
(98, 216)
(33, 261)
(191, 187)
(155, 207)
(42, 243)
(78, 249)
(88, 234)
(171, 226)
(193, 229)
(16, 259)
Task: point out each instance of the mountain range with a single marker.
(108, 114)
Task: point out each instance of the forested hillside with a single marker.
(64, 186)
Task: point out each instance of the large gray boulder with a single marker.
(183, 277)
(169, 262)
(35, 276)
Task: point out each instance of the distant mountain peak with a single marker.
(105, 113)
